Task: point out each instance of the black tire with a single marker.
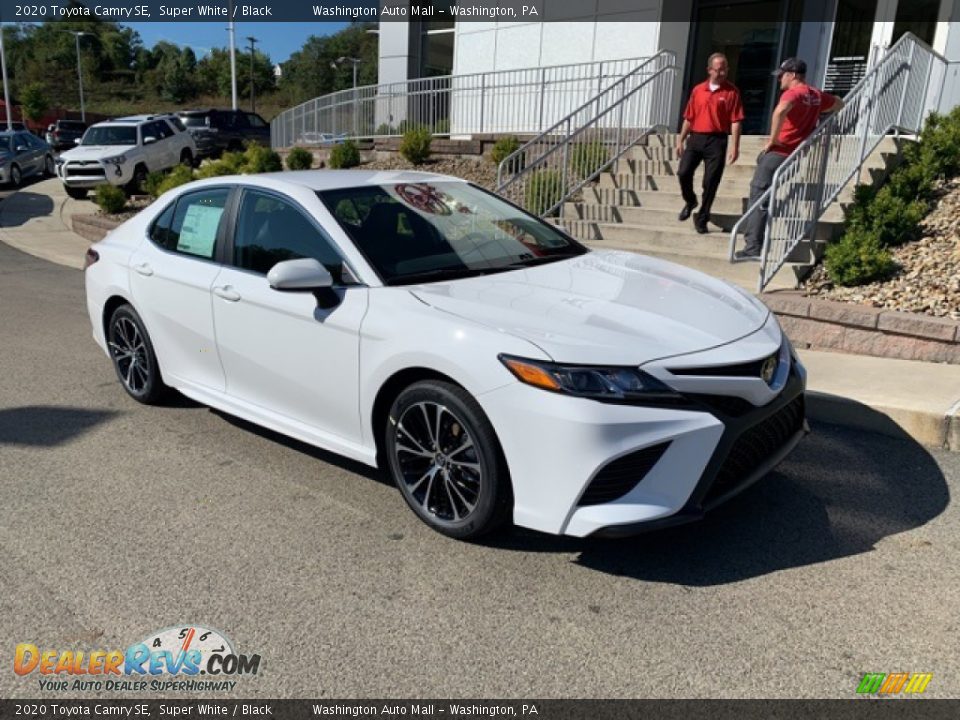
(186, 157)
(49, 167)
(16, 176)
(133, 357)
(458, 485)
(135, 186)
(75, 192)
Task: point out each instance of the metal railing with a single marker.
(894, 96)
(514, 101)
(552, 167)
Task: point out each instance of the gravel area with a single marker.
(928, 280)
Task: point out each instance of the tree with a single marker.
(34, 101)
(307, 74)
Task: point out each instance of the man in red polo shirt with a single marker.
(794, 119)
(713, 112)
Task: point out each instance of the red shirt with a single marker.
(808, 103)
(713, 111)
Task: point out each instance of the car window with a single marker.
(163, 130)
(190, 225)
(177, 124)
(255, 120)
(240, 120)
(20, 140)
(194, 121)
(35, 142)
(111, 135)
(271, 230)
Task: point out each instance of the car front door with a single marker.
(28, 154)
(171, 274)
(287, 352)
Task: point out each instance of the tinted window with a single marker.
(194, 121)
(160, 130)
(177, 124)
(271, 230)
(111, 135)
(190, 225)
(255, 120)
(72, 126)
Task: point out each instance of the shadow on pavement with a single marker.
(47, 425)
(23, 206)
(838, 494)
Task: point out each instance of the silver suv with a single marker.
(123, 151)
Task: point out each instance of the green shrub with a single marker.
(415, 146)
(345, 155)
(110, 198)
(259, 159)
(858, 258)
(152, 183)
(587, 157)
(384, 129)
(230, 163)
(503, 148)
(894, 220)
(544, 190)
(180, 175)
(299, 159)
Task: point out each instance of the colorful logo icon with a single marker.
(894, 683)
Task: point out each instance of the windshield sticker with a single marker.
(424, 198)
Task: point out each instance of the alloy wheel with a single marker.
(129, 353)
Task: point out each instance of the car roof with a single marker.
(336, 179)
(134, 119)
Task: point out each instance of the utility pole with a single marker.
(231, 31)
(253, 41)
(6, 91)
(83, 110)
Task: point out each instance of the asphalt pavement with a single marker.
(117, 520)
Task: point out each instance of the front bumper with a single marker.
(666, 464)
(90, 173)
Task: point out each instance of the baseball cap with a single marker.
(794, 65)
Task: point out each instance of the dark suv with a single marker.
(217, 130)
(63, 134)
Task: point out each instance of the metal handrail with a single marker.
(519, 101)
(639, 115)
(809, 181)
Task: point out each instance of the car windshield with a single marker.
(111, 135)
(72, 126)
(194, 120)
(427, 231)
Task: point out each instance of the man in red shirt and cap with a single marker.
(794, 119)
(713, 112)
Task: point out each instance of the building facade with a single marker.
(835, 37)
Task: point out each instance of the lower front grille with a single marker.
(622, 475)
(85, 171)
(755, 446)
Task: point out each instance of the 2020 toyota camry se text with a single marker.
(495, 367)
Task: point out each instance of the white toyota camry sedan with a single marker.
(496, 368)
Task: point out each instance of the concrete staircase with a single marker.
(634, 207)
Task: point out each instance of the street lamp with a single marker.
(76, 34)
(253, 41)
(336, 66)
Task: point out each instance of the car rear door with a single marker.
(282, 351)
(171, 274)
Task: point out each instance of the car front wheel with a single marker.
(49, 167)
(445, 458)
(133, 356)
(16, 177)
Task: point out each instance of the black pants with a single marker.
(767, 164)
(712, 150)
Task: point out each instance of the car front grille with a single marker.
(84, 171)
(755, 446)
(619, 477)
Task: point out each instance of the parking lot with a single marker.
(118, 520)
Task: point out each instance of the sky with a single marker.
(278, 40)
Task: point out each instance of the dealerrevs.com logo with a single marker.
(174, 658)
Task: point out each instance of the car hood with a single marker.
(96, 152)
(604, 307)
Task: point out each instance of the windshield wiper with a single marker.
(531, 261)
(444, 274)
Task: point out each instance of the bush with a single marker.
(152, 184)
(110, 198)
(230, 163)
(299, 159)
(384, 129)
(345, 155)
(415, 146)
(894, 220)
(587, 157)
(503, 148)
(259, 159)
(544, 190)
(858, 258)
(180, 175)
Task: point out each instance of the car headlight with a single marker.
(116, 159)
(59, 160)
(607, 384)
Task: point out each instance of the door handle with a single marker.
(144, 269)
(226, 292)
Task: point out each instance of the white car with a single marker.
(414, 322)
(124, 151)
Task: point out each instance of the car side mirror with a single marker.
(76, 141)
(149, 139)
(21, 148)
(304, 274)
